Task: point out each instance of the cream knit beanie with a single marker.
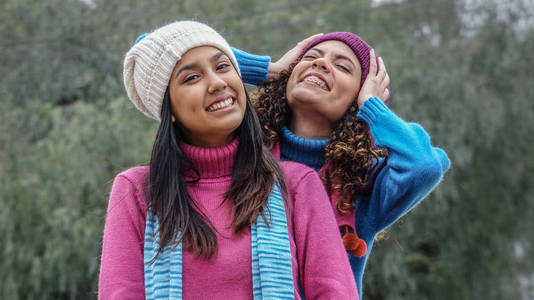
(149, 63)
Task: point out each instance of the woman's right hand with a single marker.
(290, 57)
(375, 85)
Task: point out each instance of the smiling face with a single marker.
(325, 82)
(207, 97)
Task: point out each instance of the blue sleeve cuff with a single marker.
(371, 110)
(254, 68)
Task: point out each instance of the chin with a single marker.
(304, 95)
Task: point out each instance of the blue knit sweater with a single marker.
(414, 168)
(254, 68)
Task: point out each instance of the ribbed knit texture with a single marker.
(215, 166)
(254, 68)
(148, 65)
(227, 275)
(211, 163)
(306, 151)
(271, 258)
(163, 279)
(163, 271)
(413, 170)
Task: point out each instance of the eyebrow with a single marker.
(338, 56)
(214, 58)
(318, 50)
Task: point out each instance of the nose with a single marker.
(216, 83)
(321, 64)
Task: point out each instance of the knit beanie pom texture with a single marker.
(148, 65)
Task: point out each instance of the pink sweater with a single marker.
(319, 261)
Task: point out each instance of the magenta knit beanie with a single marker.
(359, 46)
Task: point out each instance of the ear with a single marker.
(173, 119)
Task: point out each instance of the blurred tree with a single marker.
(467, 92)
(460, 68)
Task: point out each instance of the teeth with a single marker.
(220, 105)
(316, 80)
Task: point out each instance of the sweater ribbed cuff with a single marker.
(371, 110)
(254, 68)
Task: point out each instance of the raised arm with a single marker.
(413, 169)
(414, 166)
(256, 69)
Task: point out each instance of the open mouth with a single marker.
(316, 81)
(221, 104)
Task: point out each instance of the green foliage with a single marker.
(462, 242)
(55, 182)
(463, 72)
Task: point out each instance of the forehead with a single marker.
(197, 57)
(337, 48)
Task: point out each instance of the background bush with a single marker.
(463, 69)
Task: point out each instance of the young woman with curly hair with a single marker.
(213, 214)
(326, 111)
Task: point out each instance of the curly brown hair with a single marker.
(350, 151)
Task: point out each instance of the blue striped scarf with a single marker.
(272, 272)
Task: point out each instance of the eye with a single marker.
(222, 66)
(190, 78)
(343, 68)
(309, 57)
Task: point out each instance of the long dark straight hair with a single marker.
(180, 220)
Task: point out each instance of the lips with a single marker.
(221, 102)
(316, 79)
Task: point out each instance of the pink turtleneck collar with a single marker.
(211, 162)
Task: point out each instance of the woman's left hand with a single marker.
(275, 68)
(375, 85)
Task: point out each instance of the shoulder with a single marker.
(296, 172)
(129, 189)
(136, 175)
(307, 196)
(301, 180)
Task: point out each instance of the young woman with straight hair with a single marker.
(214, 216)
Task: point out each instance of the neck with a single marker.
(209, 140)
(303, 150)
(310, 126)
(210, 162)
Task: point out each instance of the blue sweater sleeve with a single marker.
(414, 167)
(254, 68)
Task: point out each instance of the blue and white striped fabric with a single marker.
(163, 275)
(272, 272)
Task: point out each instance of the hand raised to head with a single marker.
(376, 84)
(290, 57)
